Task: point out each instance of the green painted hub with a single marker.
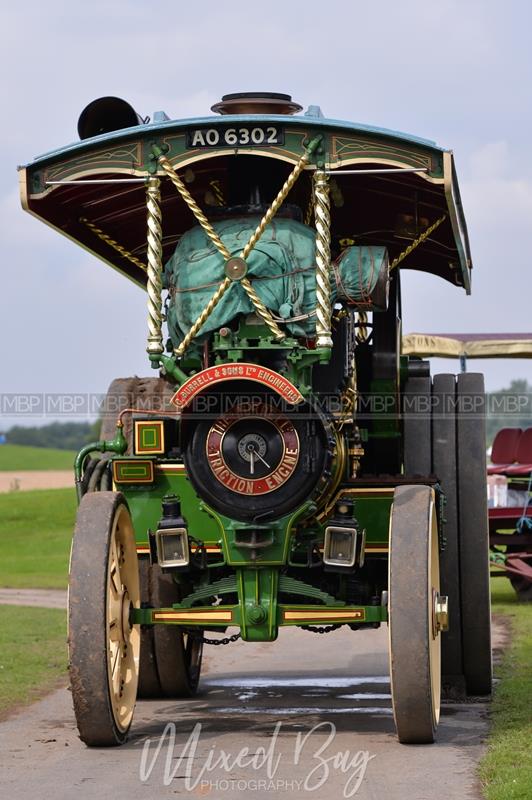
(257, 597)
(256, 615)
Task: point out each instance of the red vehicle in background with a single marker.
(509, 479)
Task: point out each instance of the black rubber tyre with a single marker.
(149, 686)
(414, 641)
(417, 426)
(103, 645)
(193, 656)
(170, 660)
(178, 656)
(444, 467)
(473, 533)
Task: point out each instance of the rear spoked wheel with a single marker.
(170, 658)
(103, 644)
(149, 686)
(177, 654)
(417, 614)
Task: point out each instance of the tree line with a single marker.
(510, 407)
(61, 435)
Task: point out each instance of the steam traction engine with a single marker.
(287, 466)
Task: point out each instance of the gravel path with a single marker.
(45, 598)
(330, 695)
(22, 480)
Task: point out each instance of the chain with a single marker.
(227, 640)
(236, 636)
(322, 629)
(421, 238)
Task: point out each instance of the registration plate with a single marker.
(239, 136)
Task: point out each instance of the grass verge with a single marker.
(33, 653)
(506, 769)
(21, 457)
(35, 534)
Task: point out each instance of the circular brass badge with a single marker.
(235, 268)
(253, 455)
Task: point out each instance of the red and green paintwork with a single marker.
(132, 153)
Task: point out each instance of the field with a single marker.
(19, 457)
(35, 535)
(506, 770)
(33, 653)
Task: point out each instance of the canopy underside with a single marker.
(88, 193)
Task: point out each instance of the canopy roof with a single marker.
(383, 209)
(472, 345)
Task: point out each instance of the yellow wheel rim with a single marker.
(432, 594)
(123, 639)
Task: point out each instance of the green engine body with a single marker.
(273, 254)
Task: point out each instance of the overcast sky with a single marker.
(456, 72)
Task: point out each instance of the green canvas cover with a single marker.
(281, 267)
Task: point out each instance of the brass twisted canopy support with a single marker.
(204, 316)
(279, 200)
(323, 259)
(420, 239)
(259, 306)
(261, 310)
(217, 192)
(362, 324)
(194, 207)
(155, 267)
(113, 243)
(309, 214)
